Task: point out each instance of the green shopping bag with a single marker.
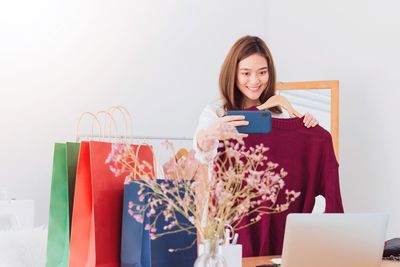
(72, 162)
(61, 198)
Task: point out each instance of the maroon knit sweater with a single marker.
(307, 155)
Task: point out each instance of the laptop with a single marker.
(334, 240)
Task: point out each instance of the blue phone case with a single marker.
(259, 121)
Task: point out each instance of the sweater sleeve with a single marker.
(330, 185)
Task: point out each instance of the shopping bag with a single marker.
(72, 161)
(137, 248)
(82, 213)
(97, 212)
(58, 227)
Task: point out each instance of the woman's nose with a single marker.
(254, 79)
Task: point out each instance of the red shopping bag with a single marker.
(97, 214)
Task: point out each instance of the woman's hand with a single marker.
(309, 120)
(221, 129)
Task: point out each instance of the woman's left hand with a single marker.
(309, 120)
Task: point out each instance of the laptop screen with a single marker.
(332, 240)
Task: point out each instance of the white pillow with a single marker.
(22, 248)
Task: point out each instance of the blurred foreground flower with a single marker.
(239, 182)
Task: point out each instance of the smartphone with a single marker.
(259, 121)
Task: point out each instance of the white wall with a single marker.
(356, 42)
(160, 59)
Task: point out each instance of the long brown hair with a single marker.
(241, 49)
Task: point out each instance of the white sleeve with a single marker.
(207, 117)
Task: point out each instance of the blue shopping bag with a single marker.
(138, 250)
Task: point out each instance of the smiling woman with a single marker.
(249, 63)
(297, 144)
(247, 78)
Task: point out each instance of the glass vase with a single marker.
(211, 256)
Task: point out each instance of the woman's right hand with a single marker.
(221, 129)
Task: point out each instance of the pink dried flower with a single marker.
(242, 182)
(138, 217)
(130, 212)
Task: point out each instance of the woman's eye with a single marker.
(263, 72)
(245, 73)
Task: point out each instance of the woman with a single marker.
(247, 79)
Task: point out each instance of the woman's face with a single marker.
(252, 79)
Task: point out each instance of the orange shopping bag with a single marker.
(97, 214)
